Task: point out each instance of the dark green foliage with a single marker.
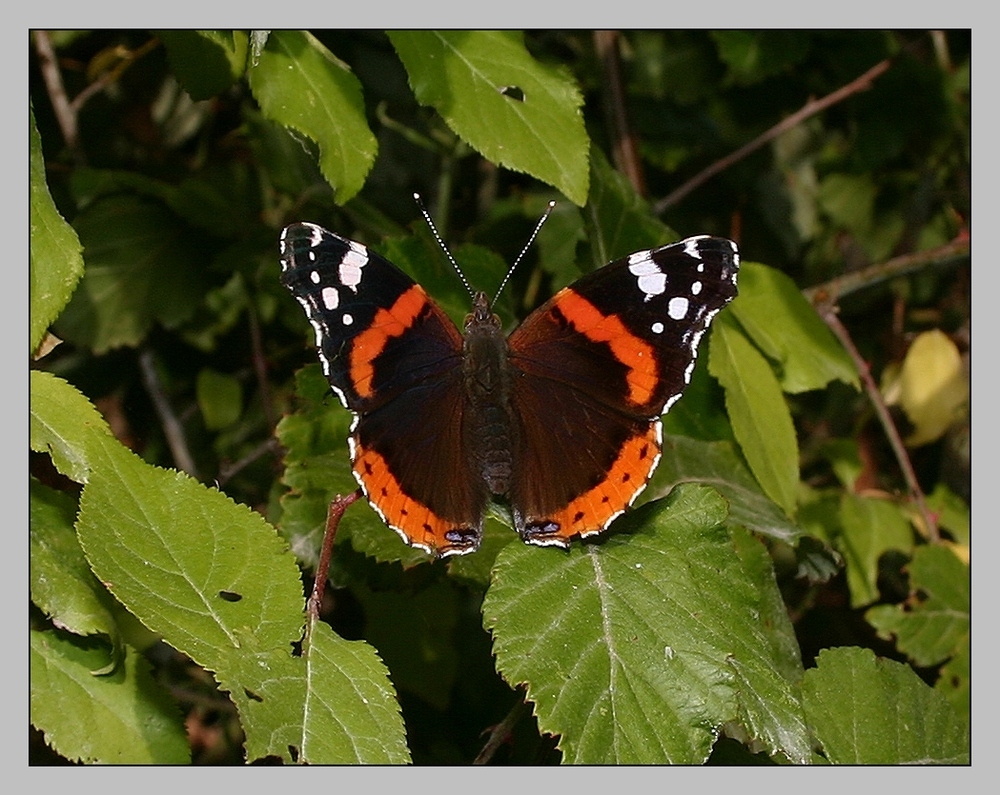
(167, 618)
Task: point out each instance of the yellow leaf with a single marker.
(933, 386)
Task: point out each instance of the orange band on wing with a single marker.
(630, 350)
(415, 522)
(593, 510)
(387, 323)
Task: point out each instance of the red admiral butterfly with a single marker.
(561, 418)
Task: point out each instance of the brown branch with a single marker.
(830, 292)
(829, 314)
(65, 114)
(172, 428)
(811, 108)
(333, 516)
(624, 150)
(501, 732)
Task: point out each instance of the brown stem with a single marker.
(830, 292)
(260, 369)
(64, 112)
(624, 150)
(333, 516)
(829, 314)
(501, 732)
(811, 108)
(172, 428)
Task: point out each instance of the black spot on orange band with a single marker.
(593, 510)
(417, 523)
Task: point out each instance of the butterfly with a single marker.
(561, 420)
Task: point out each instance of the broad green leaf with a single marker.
(64, 424)
(618, 221)
(870, 527)
(216, 581)
(207, 574)
(143, 266)
(206, 62)
(55, 262)
(686, 460)
(637, 649)
(334, 705)
(757, 409)
(868, 711)
(301, 84)
(62, 584)
(515, 111)
(220, 398)
(318, 468)
(779, 320)
(934, 624)
(124, 717)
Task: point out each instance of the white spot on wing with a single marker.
(314, 277)
(678, 307)
(331, 298)
(352, 264)
(651, 280)
(696, 288)
(347, 319)
(657, 327)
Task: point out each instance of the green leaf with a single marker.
(209, 575)
(334, 705)
(143, 266)
(869, 528)
(62, 584)
(617, 219)
(754, 55)
(686, 460)
(55, 262)
(206, 62)
(122, 718)
(637, 649)
(934, 624)
(868, 711)
(515, 111)
(952, 512)
(220, 398)
(301, 84)
(64, 424)
(758, 412)
(782, 323)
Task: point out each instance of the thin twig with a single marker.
(260, 368)
(811, 108)
(501, 732)
(333, 516)
(172, 428)
(625, 152)
(129, 57)
(65, 114)
(832, 291)
(829, 314)
(226, 473)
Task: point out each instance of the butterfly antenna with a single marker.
(444, 248)
(538, 226)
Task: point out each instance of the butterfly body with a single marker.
(560, 420)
